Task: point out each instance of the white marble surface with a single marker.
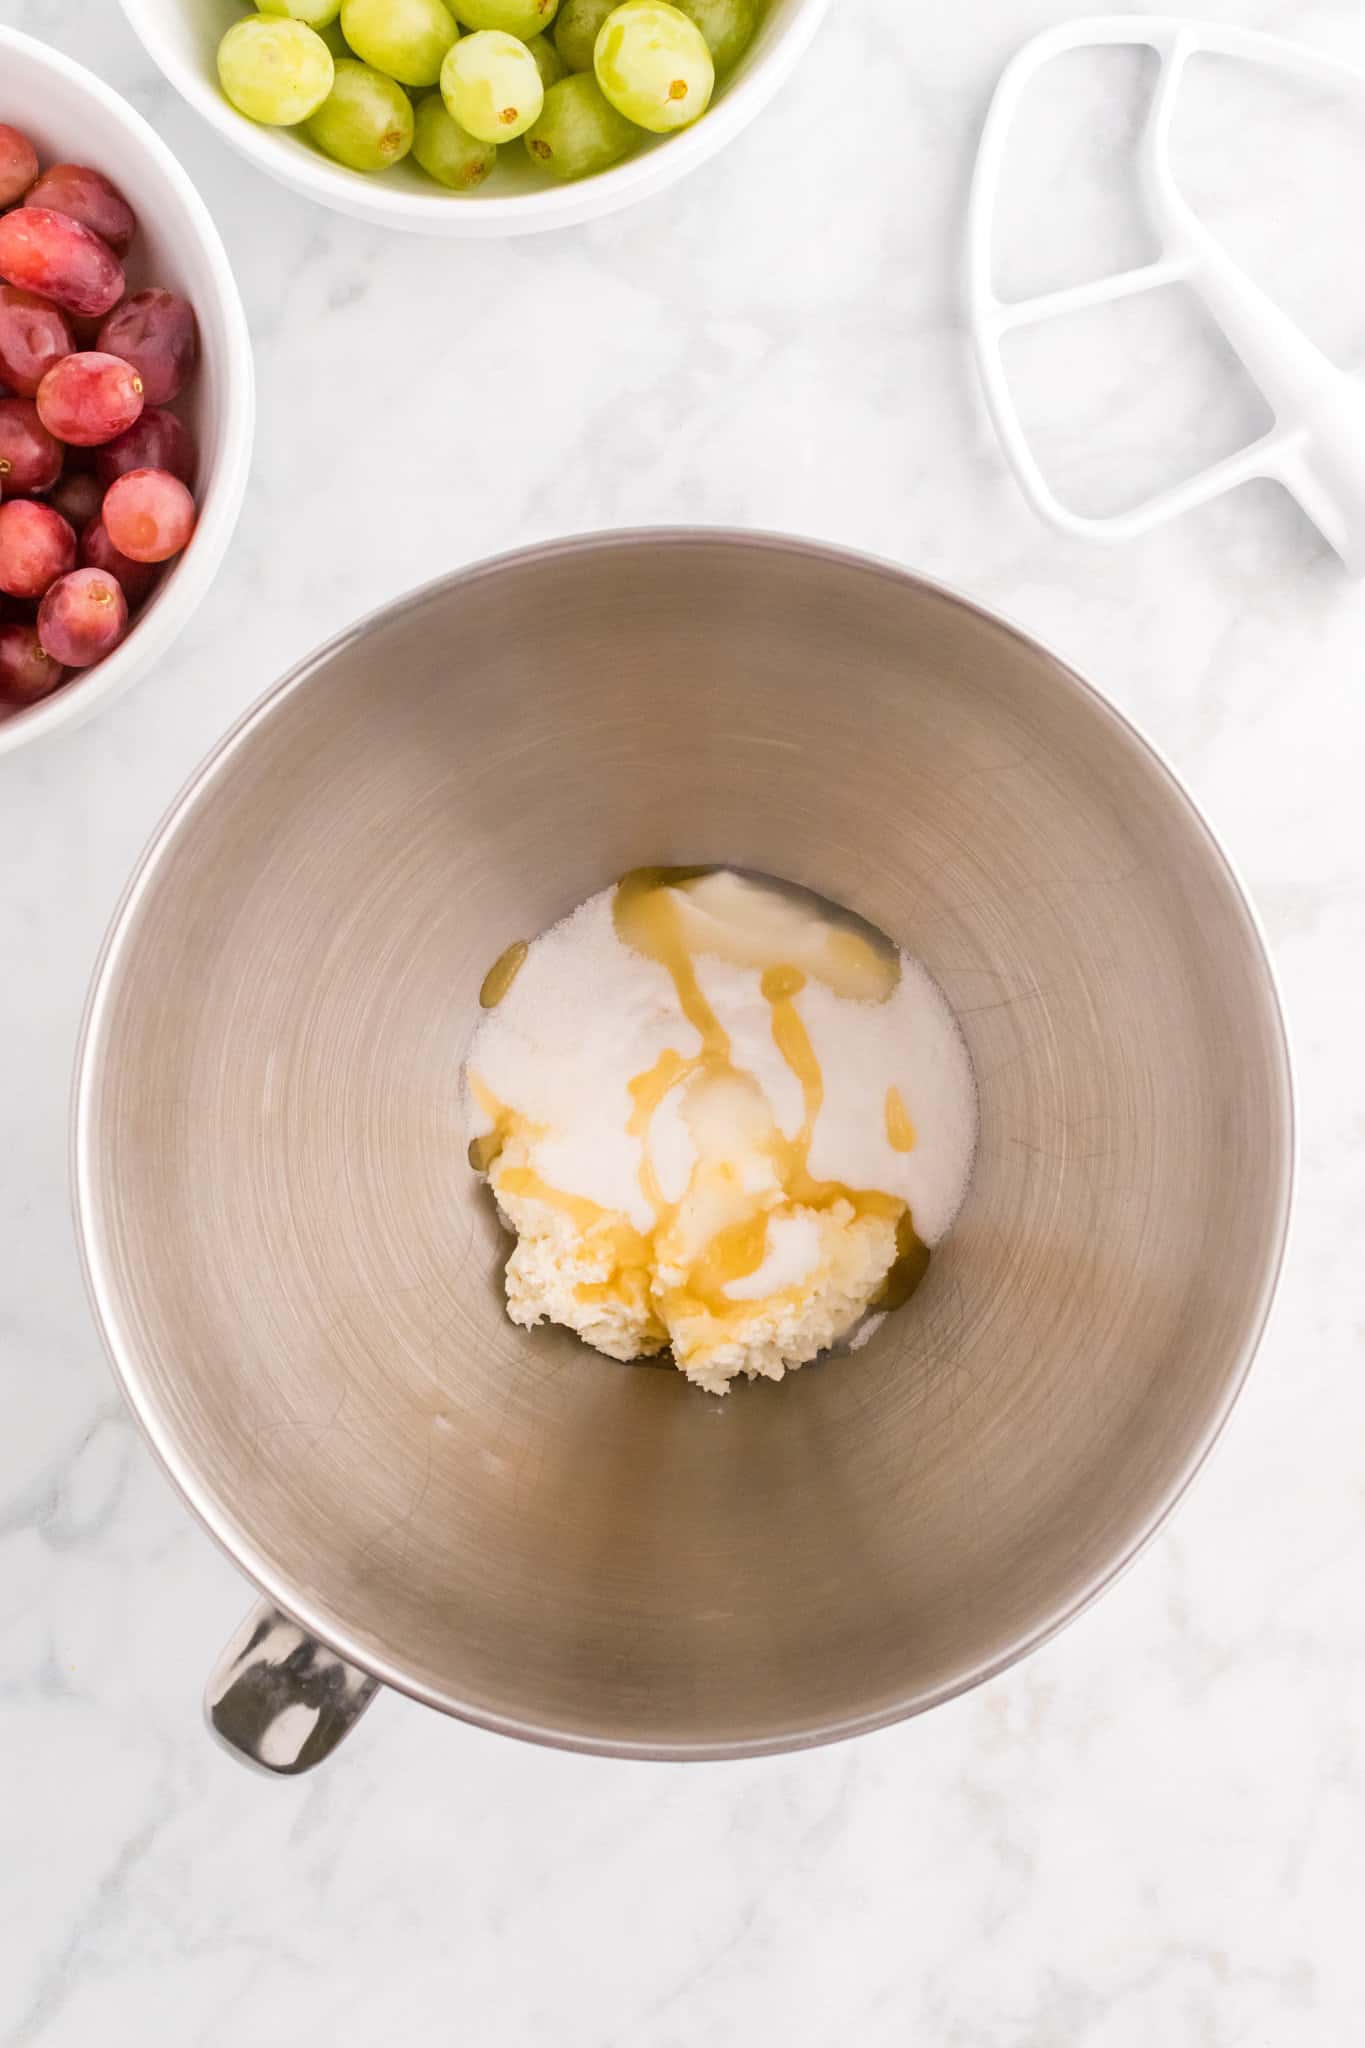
(1152, 1831)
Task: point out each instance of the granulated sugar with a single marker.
(702, 1137)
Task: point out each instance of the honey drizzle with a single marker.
(648, 917)
(606, 1235)
(502, 974)
(900, 1132)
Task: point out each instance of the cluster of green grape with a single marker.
(371, 81)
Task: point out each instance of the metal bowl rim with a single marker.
(212, 1513)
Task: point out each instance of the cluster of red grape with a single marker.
(95, 472)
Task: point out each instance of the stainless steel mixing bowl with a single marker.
(299, 1279)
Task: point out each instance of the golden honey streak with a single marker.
(627, 1253)
(502, 974)
(780, 986)
(647, 1091)
(507, 1123)
(652, 916)
(648, 918)
(649, 914)
(900, 1132)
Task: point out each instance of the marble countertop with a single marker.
(1151, 1832)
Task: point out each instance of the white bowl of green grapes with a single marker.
(476, 117)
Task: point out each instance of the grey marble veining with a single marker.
(1152, 1831)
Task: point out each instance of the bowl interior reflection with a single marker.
(300, 1276)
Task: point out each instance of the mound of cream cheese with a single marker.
(720, 1120)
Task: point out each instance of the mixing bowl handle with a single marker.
(281, 1699)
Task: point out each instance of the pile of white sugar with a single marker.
(549, 1072)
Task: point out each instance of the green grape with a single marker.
(274, 71)
(549, 63)
(491, 85)
(728, 26)
(579, 131)
(524, 18)
(446, 151)
(575, 30)
(312, 13)
(366, 121)
(405, 38)
(653, 65)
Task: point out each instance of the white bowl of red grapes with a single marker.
(477, 117)
(125, 393)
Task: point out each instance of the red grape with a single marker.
(134, 579)
(77, 495)
(155, 331)
(36, 547)
(158, 440)
(18, 164)
(30, 459)
(148, 515)
(33, 336)
(27, 671)
(82, 616)
(89, 398)
(89, 198)
(50, 253)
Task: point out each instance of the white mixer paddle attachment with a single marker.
(1315, 446)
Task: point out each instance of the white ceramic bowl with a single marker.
(70, 115)
(183, 37)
